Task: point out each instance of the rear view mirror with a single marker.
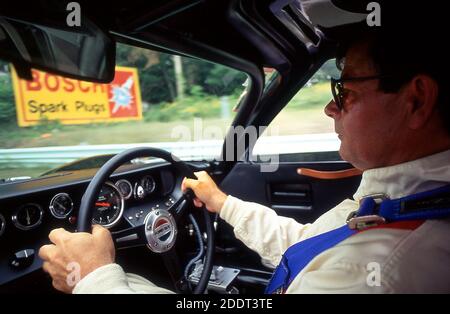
(84, 53)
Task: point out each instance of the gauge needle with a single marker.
(104, 204)
(28, 217)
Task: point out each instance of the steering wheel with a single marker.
(159, 230)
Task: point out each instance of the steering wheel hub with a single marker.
(160, 230)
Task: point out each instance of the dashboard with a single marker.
(30, 209)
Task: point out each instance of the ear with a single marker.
(423, 94)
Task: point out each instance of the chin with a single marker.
(342, 153)
(346, 156)
(357, 163)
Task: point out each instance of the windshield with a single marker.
(180, 104)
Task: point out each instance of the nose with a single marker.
(331, 109)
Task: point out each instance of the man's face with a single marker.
(370, 126)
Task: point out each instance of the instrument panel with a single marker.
(62, 205)
(30, 209)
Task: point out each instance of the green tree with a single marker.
(158, 79)
(327, 71)
(7, 104)
(155, 70)
(222, 81)
(215, 79)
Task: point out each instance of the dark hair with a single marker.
(404, 52)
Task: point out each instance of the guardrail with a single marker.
(206, 149)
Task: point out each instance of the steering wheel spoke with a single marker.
(131, 237)
(178, 208)
(173, 266)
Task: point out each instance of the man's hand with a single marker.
(74, 255)
(206, 192)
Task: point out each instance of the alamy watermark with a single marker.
(374, 17)
(74, 275)
(373, 279)
(235, 147)
(74, 16)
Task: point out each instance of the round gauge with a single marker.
(28, 217)
(109, 206)
(61, 205)
(139, 192)
(2, 224)
(125, 188)
(149, 184)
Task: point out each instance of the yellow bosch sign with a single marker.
(53, 97)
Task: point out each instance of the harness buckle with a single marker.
(377, 197)
(369, 219)
(364, 222)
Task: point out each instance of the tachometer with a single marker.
(109, 206)
(61, 205)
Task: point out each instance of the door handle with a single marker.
(329, 175)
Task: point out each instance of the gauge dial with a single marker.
(28, 217)
(109, 206)
(139, 192)
(149, 184)
(2, 224)
(61, 205)
(125, 188)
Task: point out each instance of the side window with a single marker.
(302, 131)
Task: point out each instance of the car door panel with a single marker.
(289, 194)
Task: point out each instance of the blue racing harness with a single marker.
(375, 211)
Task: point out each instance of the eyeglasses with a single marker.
(338, 91)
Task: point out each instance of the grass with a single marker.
(289, 122)
(304, 113)
(292, 121)
(125, 132)
(317, 95)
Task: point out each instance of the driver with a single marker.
(391, 111)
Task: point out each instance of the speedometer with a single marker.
(109, 206)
